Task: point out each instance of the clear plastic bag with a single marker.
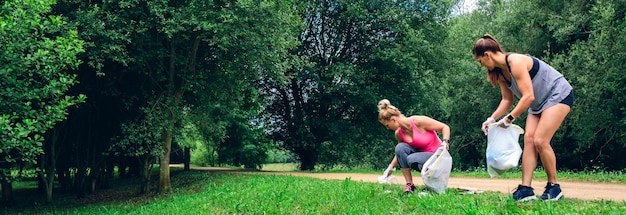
(388, 182)
(436, 171)
(503, 148)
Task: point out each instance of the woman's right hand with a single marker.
(388, 171)
(486, 123)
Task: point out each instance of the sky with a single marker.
(468, 6)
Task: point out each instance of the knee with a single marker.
(416, 166)
(541, 143)
(529, 141)
(528, 138)
(403, 149)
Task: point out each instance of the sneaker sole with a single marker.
(555, 198)
(527, 198)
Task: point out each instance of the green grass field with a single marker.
(198, 192)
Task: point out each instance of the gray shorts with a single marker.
(409, 157)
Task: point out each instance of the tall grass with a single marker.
(228, 193)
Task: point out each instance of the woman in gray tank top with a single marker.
(541, 90)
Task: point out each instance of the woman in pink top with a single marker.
(417, 139)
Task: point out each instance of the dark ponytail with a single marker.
(486, 43)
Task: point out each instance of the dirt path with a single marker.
(578, 190)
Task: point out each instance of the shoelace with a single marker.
(517, 188)
(549, 186)
(408, 187)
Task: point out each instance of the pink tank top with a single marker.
(427, 141)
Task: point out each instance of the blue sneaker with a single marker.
(553, 192)
(524, 193)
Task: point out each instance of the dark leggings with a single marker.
(569, 100)
(409, 157)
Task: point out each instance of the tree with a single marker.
(139, 141)
(352, 55)
(34, 79)
(180, 47)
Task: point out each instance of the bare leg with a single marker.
(406, 172)
(530, 155)
(549, 121)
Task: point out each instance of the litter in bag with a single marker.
(436, 170)
(503, 148)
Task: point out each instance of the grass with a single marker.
(198, 192)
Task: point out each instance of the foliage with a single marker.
(352, 55)
(598, 85)
(192, 55)
(275, 155)
(36, 56)
(244, 145)
(140, 137)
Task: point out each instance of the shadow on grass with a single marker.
(28, 200)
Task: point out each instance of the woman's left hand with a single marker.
(446, 142)
(504, 123)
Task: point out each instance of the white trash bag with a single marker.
(436, 170)
(503, 148)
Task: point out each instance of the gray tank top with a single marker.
(549, 86)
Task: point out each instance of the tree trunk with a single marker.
(47, 176)
(7, 192)
(94, 176)
(79, 181)
(49, 184)
(307, 160)
(164, 163)
(187, 157)
(65, 180)
(145, 174)
(49, 161)
(122, 167)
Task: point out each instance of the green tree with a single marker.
(181, 48)
(595, 68)
(36, 58)
(352, 55)
(140, 141)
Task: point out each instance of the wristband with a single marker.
(510, 117)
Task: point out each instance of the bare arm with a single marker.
(507, 100)
(394, 162)
(519, 69)
(428, 123)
